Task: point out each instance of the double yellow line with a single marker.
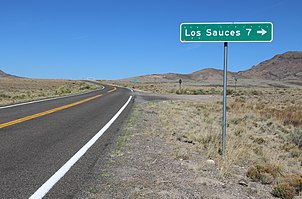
(114, 89)
(23, 119)
(46, 112)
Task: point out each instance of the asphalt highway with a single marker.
(37, 139)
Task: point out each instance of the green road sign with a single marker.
(227, 32)
(134, 80)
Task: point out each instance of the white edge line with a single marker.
(48, 99)
(44, 189)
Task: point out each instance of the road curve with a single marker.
(37, 139)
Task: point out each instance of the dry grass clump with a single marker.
(264, 173)
(182, 154)
(288, 187)
(15, 90)
(291, 115)
(296, 137)
(284, 191)
(287, 108)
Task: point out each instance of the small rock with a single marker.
(243, 182)
(210, 162)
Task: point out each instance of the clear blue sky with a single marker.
(104, 39)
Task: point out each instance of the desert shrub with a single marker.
(288, 187)
(240, 99)
(20, 96)
(180, 91)
(289, 116)
(62, 90)
(260, 106)
(264, 173)
(181, 154)
(230, 92)
(41, 94)
(295, 181)
(292, 118)
(238, 131)
(259, 140)
(87, 87)
(292, 149)
(295, 153)
(202, 92)
(255, 92)
(236, 120)
(4, 96)
(296, 137)
(284, 191)
(258, 150)
(171, 91)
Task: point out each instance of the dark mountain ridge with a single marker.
(5, 75)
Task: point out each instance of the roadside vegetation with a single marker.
(264, 135)
(264, 138)
(16, 90)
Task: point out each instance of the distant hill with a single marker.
(287, 66)
(207, 74)
(3, 74)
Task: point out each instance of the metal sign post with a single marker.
(226, 32)
(224, 97)
(180, 81)
(235, 79)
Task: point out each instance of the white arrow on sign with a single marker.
(262, 32)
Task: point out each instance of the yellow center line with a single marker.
(23, 119)
(114, 89)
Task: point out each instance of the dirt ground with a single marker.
(151, 161)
